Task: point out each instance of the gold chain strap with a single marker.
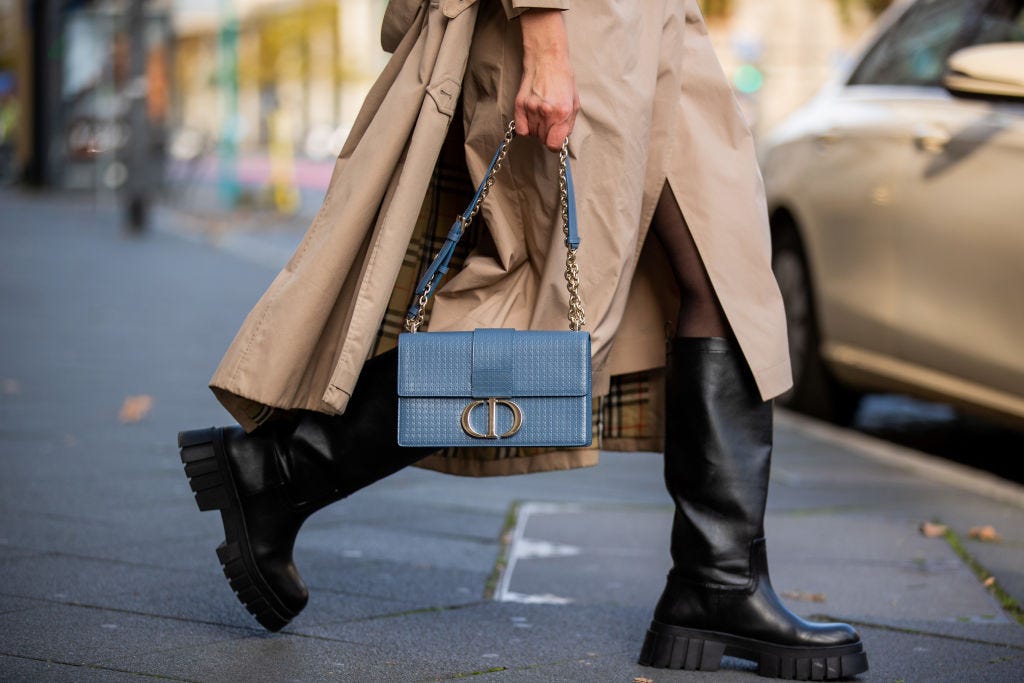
(577, 317)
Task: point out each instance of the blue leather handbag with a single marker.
(497, 387)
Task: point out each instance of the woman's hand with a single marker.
(548, 100)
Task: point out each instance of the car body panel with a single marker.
(961, 248)
(909, 204)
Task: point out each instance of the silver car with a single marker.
(897, 207)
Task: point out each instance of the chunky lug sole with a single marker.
(674, 647)
(209, 476)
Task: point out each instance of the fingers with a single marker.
(549, 122)
(523, 126)
(560, 126)
(546, 108)
(556, 134)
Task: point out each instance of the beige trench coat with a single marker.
(656, 108)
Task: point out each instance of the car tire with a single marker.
(815, 390)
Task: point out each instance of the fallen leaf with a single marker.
(641, 679)
(985, 533)
(135, 408)
(989, 582)
(933, 530)
(803, 595)
(12, 386)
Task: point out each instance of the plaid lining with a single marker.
(628, 417)
(627, 407)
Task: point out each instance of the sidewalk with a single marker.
(107, 569)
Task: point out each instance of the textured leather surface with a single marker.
(573, 238)
(546, 374)
(493, 367)
(718, 446)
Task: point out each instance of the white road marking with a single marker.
(521, 548)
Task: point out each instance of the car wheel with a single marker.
(815, 390)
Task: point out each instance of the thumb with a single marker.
(522, 123)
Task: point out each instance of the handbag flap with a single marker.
(494, 363)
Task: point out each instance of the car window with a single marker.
(915, 49)
(1001, 22)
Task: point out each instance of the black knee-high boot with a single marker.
(267, 483)
(718, 599)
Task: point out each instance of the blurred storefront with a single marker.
(102, 81)
(265, 91)
(262, 86)
(10, 111)
(281, 78)
(302, 66)
(84, 88)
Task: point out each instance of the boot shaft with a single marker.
(315, 458)
(718, 445)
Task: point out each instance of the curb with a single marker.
(928, 466)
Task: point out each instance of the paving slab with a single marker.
(285, 659)
(43, 532)
(886, 594)
(199, 589)
(492, 634)
(416, 516)
(10, 552)
(895, 656)
(890, 571)
(420, 584)
(637, 480)
(196, 553)
(1002, 633)
(149, 590)
(1003, 561)
(25, 669)
(395, 544)
(331, 607)
(80, 635)
(13, 603)
(201, 596)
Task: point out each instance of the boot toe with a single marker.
(286, 583)
(830, 634)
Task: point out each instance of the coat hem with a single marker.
(632, 444)
(774, 380)
(546, 462)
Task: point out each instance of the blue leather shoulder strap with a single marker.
(439, 267)
(573, 239)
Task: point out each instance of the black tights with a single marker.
(700, 314)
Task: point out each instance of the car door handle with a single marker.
(827, 139)
(931, 139)
(823, 142)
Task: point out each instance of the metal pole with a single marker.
(138, 157)
(42, 114)
(228, 54)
